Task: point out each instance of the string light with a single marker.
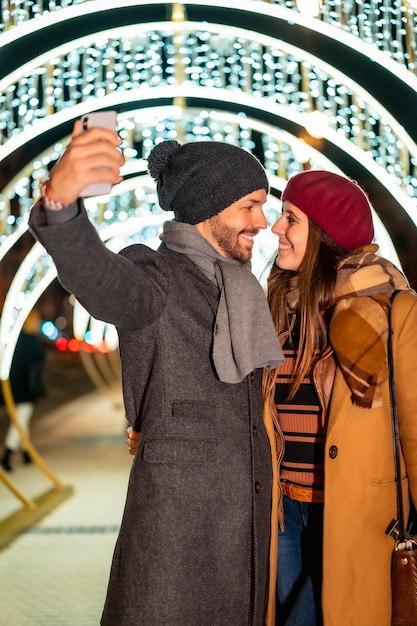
(316, 124)
(309, 8)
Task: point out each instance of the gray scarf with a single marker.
(244, 337)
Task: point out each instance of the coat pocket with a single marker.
(180, 451)
(192, 419)
(192, 410)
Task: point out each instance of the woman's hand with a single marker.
(133, 438)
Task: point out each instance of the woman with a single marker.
(330, 297)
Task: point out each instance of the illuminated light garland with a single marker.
(397, 133)
(280, 110)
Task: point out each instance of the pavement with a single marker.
(55, 572)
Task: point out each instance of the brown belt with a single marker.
(301, 492)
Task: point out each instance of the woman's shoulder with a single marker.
(404, 304)
(406, 297)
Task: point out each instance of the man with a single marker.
(194, 331)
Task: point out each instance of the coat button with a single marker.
(258, 487)
(255, 431)
(333, 452)
(252, 377)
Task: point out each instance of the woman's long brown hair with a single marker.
(314, 283)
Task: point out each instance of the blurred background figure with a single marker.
(28, 383)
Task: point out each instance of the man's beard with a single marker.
(228, 239)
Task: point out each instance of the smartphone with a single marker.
(103, 119)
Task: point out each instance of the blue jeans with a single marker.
(299, 576)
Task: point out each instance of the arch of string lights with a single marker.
(179, 59)
(390, 27)
(177, 63)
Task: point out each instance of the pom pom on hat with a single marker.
(160, 156)
(199, 179)
(335, 203)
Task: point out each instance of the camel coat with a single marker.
(360, 498)
(194, 539)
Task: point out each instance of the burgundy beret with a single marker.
(335, 203)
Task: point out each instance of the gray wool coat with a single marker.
(194, 538)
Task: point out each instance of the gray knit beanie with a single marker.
(199, 179)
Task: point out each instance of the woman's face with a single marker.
(292, 231)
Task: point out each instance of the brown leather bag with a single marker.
(404, 583)
(404, 555)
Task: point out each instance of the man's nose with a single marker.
(259, 219)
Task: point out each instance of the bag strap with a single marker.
(395, 429)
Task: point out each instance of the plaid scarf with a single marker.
(359, 326)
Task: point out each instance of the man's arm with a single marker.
(127, 290)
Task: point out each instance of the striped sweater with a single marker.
(300, 420)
